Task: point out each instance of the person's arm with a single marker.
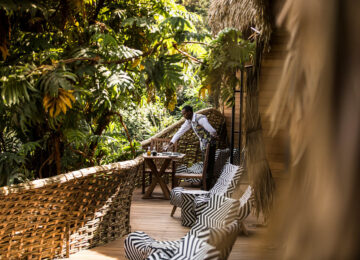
(205, 123)
(183, 129)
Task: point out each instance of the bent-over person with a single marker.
(204, 131)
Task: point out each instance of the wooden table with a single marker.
(149, 159)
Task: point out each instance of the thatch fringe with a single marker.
(318, 100)
(299, 83)
(241, 14)
(257, 165)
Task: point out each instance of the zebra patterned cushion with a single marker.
(222, 238)
(190, 248)
(188, 216)
(234, 184)
(195, 249)
(218, 212)
(138, 246)
(246, 203)
(196, 168)
(221, 157)
(224, 181)
(200, 203)
(227, 183)
(175, 196)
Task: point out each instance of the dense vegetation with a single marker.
(84, 81)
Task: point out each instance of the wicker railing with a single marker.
(61, 215)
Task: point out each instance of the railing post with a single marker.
(232, 129)
(241, 110)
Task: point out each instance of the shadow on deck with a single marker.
(153, 217)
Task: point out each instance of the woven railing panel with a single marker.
(189, 142)
(54, 217)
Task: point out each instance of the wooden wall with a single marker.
(271, 67)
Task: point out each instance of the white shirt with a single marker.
(187, 125)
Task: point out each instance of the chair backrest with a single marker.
(195, 249)
(205, 166)
(223, 182)
(229, 180)
(218, 212)
(246, 204)
(239, 158)
(159, 144)
(212, 169)
(222, 238)
(234, 184)
(221, 157)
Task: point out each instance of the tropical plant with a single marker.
(74, 71)
(227, 54)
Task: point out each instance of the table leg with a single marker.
(157, 178)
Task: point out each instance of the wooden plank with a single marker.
(153, 217)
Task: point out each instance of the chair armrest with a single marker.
(188, 175)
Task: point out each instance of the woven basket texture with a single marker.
(189, 142)
(61, 215)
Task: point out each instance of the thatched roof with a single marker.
(241, 14)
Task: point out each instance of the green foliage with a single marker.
(76, 76)
(227, 54)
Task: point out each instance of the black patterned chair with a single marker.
(189, 248)
(226, 184)
(246, 204)
(217, 225)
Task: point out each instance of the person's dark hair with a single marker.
(188, 108)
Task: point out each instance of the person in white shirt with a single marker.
(206, 134)
(200, 125)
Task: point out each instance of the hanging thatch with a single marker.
(318, 100)
(257, 165)
(241, 14)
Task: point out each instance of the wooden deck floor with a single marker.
(153, 217)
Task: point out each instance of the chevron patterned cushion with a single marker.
(218, 212)
(228, 182)
(246, 203)
(196, 168)
(195, 249)
(221, 158)
(175, 196)
(222, 238)
(200, 203)
(138, 246)
(190, 248)
(229, 172)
